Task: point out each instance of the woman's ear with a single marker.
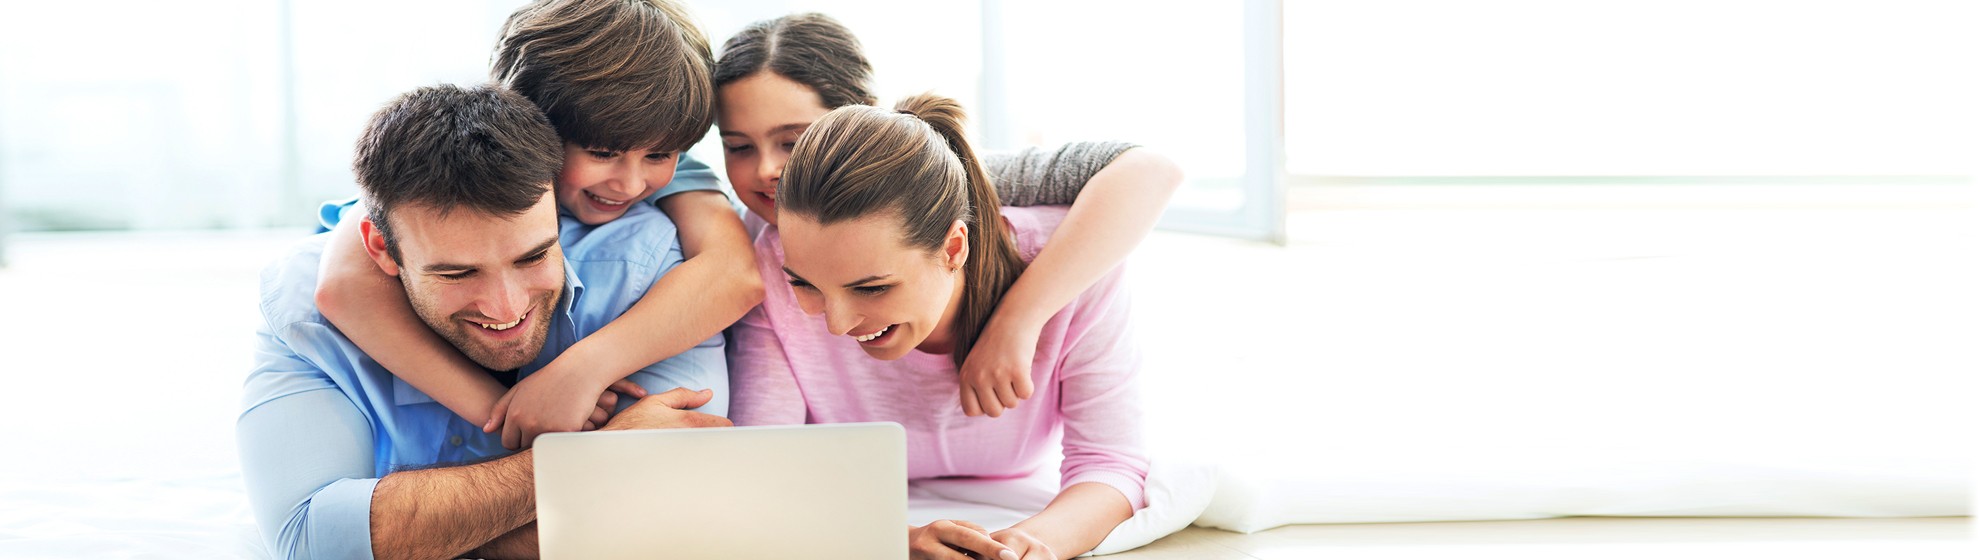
(955, 249)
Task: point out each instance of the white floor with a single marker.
(1445, 344)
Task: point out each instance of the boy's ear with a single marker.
(955, 249)
(374, 245)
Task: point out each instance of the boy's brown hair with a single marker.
(611, 74)
(483, 149)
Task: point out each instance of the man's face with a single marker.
(487, 284)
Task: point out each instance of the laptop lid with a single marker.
(817, 491)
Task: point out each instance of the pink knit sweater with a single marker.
(786, 369)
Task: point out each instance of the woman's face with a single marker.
(888, 297)
(760, 118)
(598, 186)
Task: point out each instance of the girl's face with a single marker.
(598, 186)
(760, 118)
(888, 297)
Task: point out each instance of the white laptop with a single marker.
(816, 492)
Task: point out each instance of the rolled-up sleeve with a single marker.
(1099, 396)
(306, 458)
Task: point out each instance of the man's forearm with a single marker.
(518, 544)
(442, 513)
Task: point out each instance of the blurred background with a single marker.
(1555, 257)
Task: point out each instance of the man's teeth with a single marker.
(876, 334)
(605, 201)
(504, 326)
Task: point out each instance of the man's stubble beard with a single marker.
(457, 331)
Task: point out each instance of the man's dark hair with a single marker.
(611, 74)
(444, 147)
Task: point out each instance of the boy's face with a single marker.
(760, 118)
(598, 186)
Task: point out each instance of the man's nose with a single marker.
(505, 299)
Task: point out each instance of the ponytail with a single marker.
(914, 162)
(993, 263)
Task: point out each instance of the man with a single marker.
(343, 460)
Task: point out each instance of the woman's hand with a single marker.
(955, 540)
(1024, 545)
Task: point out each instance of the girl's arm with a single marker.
(371, 309)
(1115, 209)
(706, 293)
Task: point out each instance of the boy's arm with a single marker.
(371, 310)
(693, 302)
(1114, 211)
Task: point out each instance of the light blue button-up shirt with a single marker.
(323, 422)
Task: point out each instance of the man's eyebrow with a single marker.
(540, 248)
(451, 267)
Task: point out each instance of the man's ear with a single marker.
(955, 249)
(374, 245)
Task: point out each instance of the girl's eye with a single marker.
(737, 149)
(788, 146)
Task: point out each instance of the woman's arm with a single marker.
(711, 289)
(371, 310)
(1115, 210)
(1074, 523)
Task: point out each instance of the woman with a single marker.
(890, 235)
(778, 76)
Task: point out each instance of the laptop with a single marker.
(822, 491)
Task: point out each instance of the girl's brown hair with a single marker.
(914, 163)
(810, 49)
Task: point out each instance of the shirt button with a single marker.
(456, 440)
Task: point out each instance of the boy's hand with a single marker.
(997, 373)
(541, 404)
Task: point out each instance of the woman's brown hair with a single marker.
(914, 163)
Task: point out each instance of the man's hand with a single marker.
(520, 427)
(997, 372)
(955, 540)
(668, 410)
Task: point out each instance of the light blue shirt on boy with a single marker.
(323, 422)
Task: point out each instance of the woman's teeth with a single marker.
(604, 201)
(876, 334)
(504, 326)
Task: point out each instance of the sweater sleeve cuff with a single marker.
(1132, 487)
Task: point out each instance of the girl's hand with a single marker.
(997, 372)
(955, 540)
